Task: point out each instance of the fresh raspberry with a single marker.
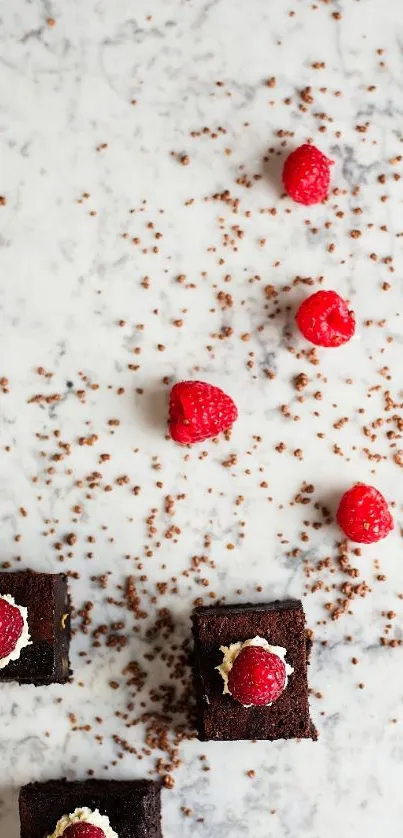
(198, 411)
(306, 175)
(257, 676)
(83, 830)
(363, 514)
(11, 627)
(325, 319)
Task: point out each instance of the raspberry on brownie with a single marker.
(85, 829)
(250, 671)
(14, 632)
(254, 673)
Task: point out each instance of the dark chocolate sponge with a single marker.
(132, 806)
(220, 716)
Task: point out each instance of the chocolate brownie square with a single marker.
(220, 716)
(46, 598)
(132, 806)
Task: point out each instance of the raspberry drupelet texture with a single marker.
(257, 677)
(306, 175)
(325, 319)
(199, 411)
(11, 627)
(83, 830)
(363, 514)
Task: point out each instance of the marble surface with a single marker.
(103, 104)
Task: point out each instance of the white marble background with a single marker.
(68, 277)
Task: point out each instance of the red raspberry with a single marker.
(257, 676)
(83, 830)
(11, 627)
(363, 514)
(325, 319)
(198, 411)
(306, 175)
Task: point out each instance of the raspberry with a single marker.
(198, 411)
(257, 676)
(363, 514)
(306, 175)
(11, 627)
(83, 830)
(325, 319)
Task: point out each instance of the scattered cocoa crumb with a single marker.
(301, 381)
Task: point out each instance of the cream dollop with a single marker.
(230, 654)
(24, 638)
(84, 815)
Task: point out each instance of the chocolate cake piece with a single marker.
(132, 806)
(46, 596)
(220, 716)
